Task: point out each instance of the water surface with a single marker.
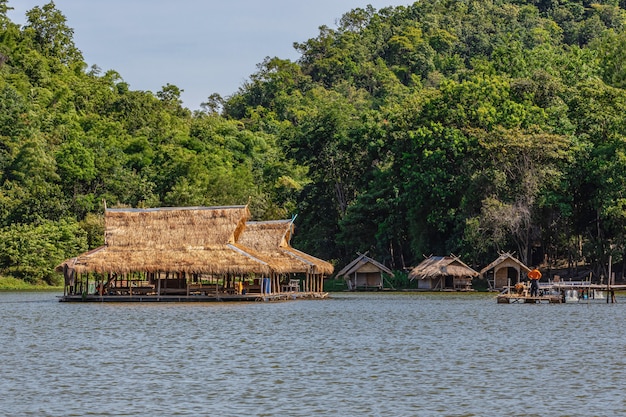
(375, 354)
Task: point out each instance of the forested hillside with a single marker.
(465, 127)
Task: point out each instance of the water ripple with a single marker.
(372, 354)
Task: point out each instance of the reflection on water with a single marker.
(354, 354)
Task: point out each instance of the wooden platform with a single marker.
(143, 298)
(558, 293)
(527, 299)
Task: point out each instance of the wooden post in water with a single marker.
(608, 282)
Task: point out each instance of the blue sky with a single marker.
(202, 47)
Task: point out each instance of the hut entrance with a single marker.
(504, 274)
(449, 282)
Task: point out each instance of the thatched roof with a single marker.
(505, 257)
(321, 267)
(187, 239)
(437, 266)
(271, 239)
(357, 263)
(174, 227)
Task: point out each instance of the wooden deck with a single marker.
(527, 299)
(557, 293)
(221, 297)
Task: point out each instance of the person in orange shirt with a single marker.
(534, 276)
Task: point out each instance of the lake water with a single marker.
(376, 354)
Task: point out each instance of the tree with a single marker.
(522, 167)
(214, 104)
(612, 55)
(32, 251)
(77, 169)
(4, 19)
(51, 34)
(597, 175)
(33, 180)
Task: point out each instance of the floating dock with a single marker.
(560, 292)
(145, 298)
(527, 299)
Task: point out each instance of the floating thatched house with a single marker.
(272, 240)
(443, 273)
(506, 270)
(364, 273)
(182, 251)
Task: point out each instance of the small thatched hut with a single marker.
(443, 273)
(364, 273)
(504, 271)
(272, 240)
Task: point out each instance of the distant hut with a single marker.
(443, 273)
(272, 240)
(504, 271)
(364, 273)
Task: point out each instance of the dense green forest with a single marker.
(448, 126)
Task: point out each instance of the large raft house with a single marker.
(193, 254)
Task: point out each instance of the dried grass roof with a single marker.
(207, 240)
(177, 239)
(319, 266)
(437, 266)
(219, 259)
(504, 257)
(271, 239)
(174, 228)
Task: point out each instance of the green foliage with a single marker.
(15, 284)
(72, 137)
(335, 285)
(93, 227)
(475, 149)
(32, 251)
(52, 37)
(442, 126)
(612, 53)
